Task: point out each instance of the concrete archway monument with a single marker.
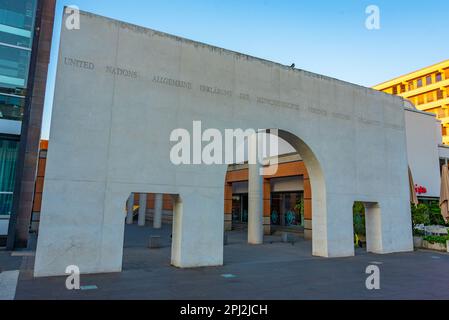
(121, 91)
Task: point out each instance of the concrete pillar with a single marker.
(333, 234)
(373, 224)
(197, 244)
(129, 209)
(157, 216)
(142, 209)
(255, 194)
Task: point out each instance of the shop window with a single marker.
(240, 208)
(287, 209)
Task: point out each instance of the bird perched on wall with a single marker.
(293, 66)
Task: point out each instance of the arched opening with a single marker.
(285, 192)
(318, 202)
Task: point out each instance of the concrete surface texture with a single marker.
(122, 89)
(423, 133)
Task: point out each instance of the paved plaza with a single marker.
(274, 270)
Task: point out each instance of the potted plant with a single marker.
(438, 243)
(418, 238)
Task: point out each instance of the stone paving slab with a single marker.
(8, 284)
(8, 263)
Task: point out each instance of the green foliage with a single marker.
(359, 208)
(359, 219)
(427, 213)
(300, 206)
(420, 214)
(435, 214)
(418, 233)
(436, 239)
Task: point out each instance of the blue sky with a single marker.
(323, 36)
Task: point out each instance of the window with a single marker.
(446, 74)
(402, 88)
(14, 65)
(419, 83)
(16, 36)
(395, 90)
(430, 97)
(240, 208)
(429, 80)
(441, 113)
(287, 209)
(17, 22)
(438, 77)
(439, 94)
(11, 107)
(421, 99)
(410, 86)
(8, 157)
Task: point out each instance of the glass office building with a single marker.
(17, 19)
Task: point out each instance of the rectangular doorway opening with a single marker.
(148, 230)
(367, 227)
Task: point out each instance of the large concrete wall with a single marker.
(422, 147)
(110, 136)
